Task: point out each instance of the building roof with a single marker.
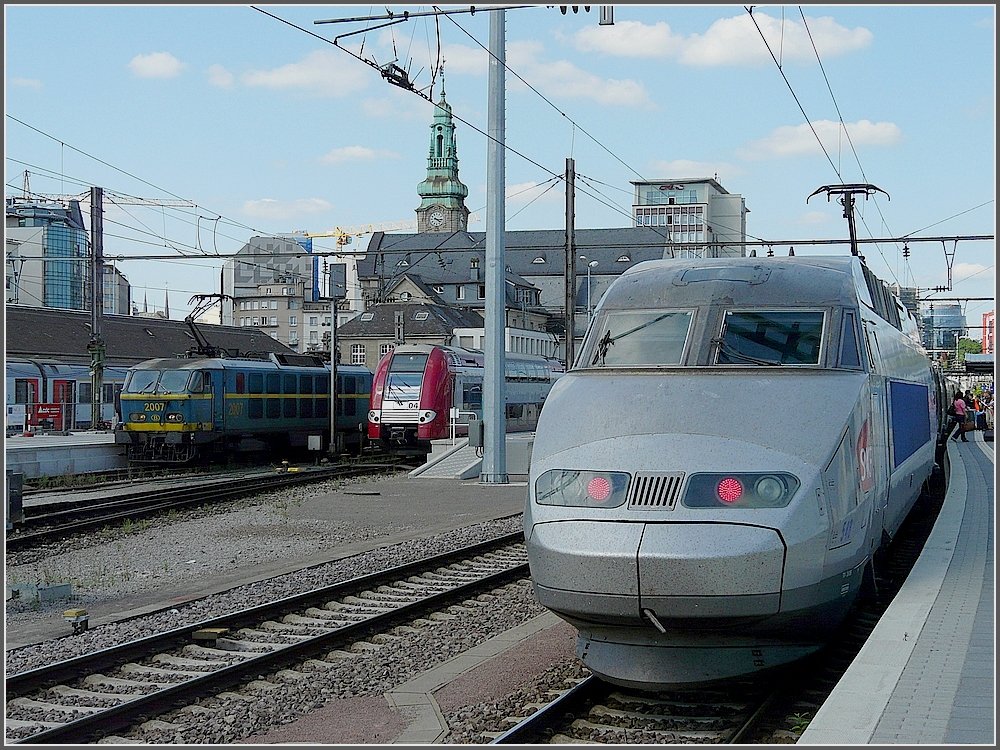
(419, 320)
(979, 363)
(49, 333)
(444, 258)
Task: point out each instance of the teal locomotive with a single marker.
(181, 410)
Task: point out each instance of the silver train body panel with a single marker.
(666, 590)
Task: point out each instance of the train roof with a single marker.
(233, 363)
(779, 281)
(49, 333)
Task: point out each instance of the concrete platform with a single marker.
(926, 675)
(57, 455)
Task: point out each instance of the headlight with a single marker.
(374, 416)
(175, 417)
(137, 416)
(585, 489)
(426, 416)
(756, 490)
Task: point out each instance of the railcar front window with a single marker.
(790, 337)
(142, 381)
(638, 337)
(173, 381)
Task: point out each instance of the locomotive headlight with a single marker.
(426, 416)
(374, 416)
(584, 489)
(137, 416)
(740, 490)
(175, 417)
(770, 489)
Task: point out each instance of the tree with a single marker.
(968, 346)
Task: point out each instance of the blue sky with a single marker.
(275, 130)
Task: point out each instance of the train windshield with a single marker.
(405, 374)
(157, 381)
(790, 337)
(638, 337)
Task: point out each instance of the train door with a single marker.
(64, 394)
(877, 449)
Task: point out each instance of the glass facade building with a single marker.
(51, 243)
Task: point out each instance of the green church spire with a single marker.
(442, 193)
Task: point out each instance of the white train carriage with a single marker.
(710, 482)
(45, 394)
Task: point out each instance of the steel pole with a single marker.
(494, 469)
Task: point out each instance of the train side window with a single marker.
(850, 353)
(273, 407)
(84, 393)
(255, 408)
(347, 385)
(273, 383)
(256, 382)
(201, 382)
(322, 408)
(306, 407)
(25, 391)
(305, 383)
(322, 384)
(288, 383)
(240, 383)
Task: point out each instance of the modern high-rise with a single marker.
(944, 324)
(46, 254)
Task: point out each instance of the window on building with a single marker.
(384, 349)
(460, 292)
(313, 337)
(293, 320)
(358, 353)
(273, 320)
(274, 304)
(482, 291)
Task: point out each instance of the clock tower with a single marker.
(442, 194)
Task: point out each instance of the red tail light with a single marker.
(599, 489)
(730, 490)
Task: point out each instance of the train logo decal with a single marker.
(865, 459)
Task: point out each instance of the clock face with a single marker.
(436, 217)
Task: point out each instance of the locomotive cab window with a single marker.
(629, 338)
(775, 337)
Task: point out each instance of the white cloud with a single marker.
(528, 192)
(269, 208)
(811, 218)
(630, 39)
(156, 65)
(356, 153)
(728, 41)
(799, 140)
(323, 73)
(681, 168)
(559, 78)
(220, 77)
(28, 83)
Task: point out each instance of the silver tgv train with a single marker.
(711, 480)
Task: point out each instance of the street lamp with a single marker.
(591, 264)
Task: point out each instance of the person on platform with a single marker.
(958, 417)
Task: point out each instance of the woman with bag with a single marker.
(958, 416)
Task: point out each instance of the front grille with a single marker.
(654, 491)
(399, 416)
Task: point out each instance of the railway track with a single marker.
(93, 696)
(593, 711)
(43, 523)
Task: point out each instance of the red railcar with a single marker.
(417, 387)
